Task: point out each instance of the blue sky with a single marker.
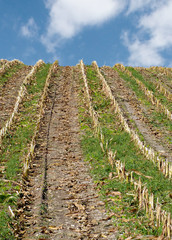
(132, 32)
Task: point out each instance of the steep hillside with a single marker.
(86, 152)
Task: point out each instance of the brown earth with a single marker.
(139, 114)
(62, 202)
(9, 92)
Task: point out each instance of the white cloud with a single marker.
(153, 30)
(141, 5)
(158, 26)
(69, 17)
(142, 53)
(29, 29)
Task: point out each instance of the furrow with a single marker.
(163, 164)
(19, 98)
(66, 205)
(141, 190)
(150, 95)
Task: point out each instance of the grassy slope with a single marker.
(150, 86)
(9, 73)
(130, 221)
(157, 119)
(118, 195)
(14, 148)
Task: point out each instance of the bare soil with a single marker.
(9, 92)
(62, 202)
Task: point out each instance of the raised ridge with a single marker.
(118, 119)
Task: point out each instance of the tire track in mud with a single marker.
(65, 204)
(9, 92)
(133, 110)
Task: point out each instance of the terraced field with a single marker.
(85, 152)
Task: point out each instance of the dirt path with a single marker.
(134, 111)
(65, 202)
(9, 92)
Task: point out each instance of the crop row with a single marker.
(145, 199)
(30, 154)
(162, 74)
(159, 85)
(149, 94)
(21, 94)
(17, 144)
(163, 165)
(7, 65)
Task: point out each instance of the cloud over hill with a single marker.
(147, 37)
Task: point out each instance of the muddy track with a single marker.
(9, 92)
(64, 203)
(133, 110)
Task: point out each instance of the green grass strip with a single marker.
(166, 77)
(157, 119)
(150, 86)
(128, 219)
(9, 73)
(15, 146)
(126, 150)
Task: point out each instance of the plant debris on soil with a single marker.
(71, 190)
